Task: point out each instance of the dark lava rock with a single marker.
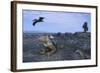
(73, 46)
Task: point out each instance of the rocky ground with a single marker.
(70, 46)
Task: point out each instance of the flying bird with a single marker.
(37, 20)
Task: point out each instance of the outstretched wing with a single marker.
(34, 23)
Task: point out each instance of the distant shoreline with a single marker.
(52, 32)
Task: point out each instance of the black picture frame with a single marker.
(14, 34)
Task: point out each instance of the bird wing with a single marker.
(34, 20)
(34, 23)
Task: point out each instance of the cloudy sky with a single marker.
(55, 21)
